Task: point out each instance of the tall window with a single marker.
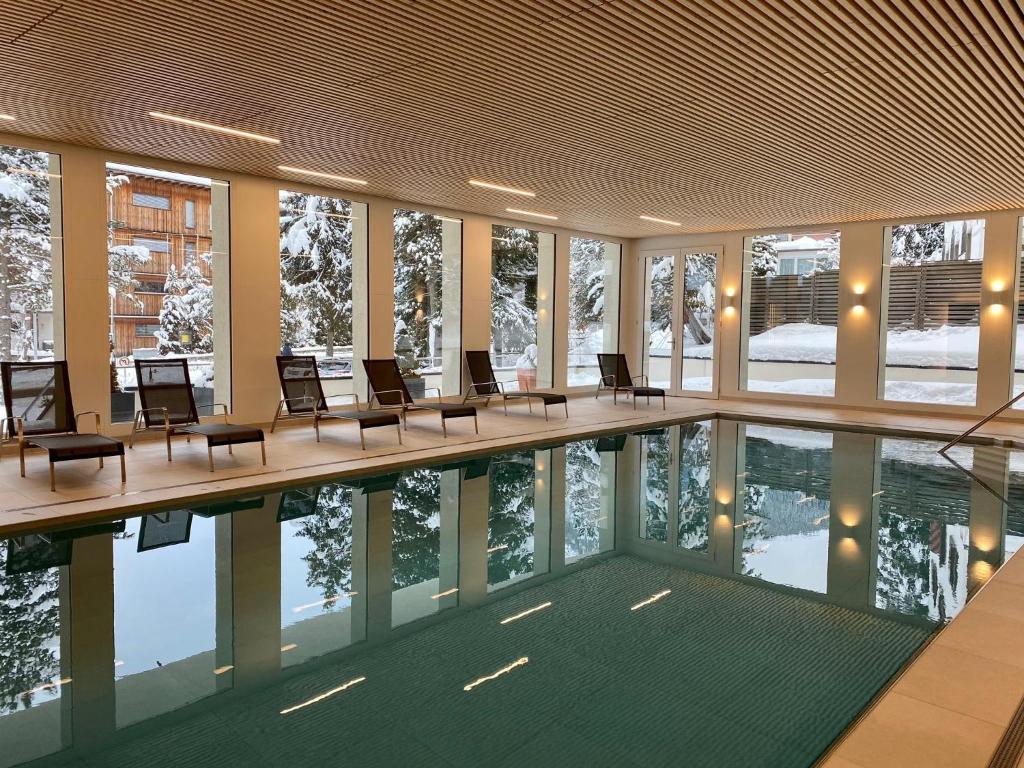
(318, 304)
(511, 536)
(589, 498)
(522, 281)
(659, 287)
(700, 278)
(149, 245)
(791, 297)
(593, 306)
(428, 307)
(31, 324)
(932, 294)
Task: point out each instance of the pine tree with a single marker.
(586, 293)
(764, 258)
(418, 278)
(316, 270)
(914, 244)
(26, 266)
(514, 268)
(186, 318)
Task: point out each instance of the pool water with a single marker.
(711, 593)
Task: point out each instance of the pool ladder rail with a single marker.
(981, 423)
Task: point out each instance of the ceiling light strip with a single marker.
(662, 221)
(321, 174)
(502, 188)
(521, 212)
(215, 128)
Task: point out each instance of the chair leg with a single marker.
(634, 402)
(135, 428)
(21, 456)
(209, 454)
(545, 411)
(263, 452)
(566, 404)
(615, 397)
(529, 403)
(101, 462)
(663, 401)
(53, 478)
(476, 426)
(277, 415)
(316, 427)
(124, 474)
(167, 433)
(362, 440)
(444, 427)
(231, 449)
(504, 404)
(398, 429)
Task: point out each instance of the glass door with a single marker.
(680, 348)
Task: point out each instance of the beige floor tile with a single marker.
(965, 683)
(989, 635)
(1003, 597)
(902, 732)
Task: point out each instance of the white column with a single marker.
(473, 519)
(560, 313)
(997, 332)
(546, 260)
(451, 306)
(556, 500)
(853, 519)
(361, 297)
(451, 480)
(542, 517)
(223, 290)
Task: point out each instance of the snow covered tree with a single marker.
(26, 265)
(586, 295)
(418, 276)
(764, 258)
(661, 288)
(329, 561)
(914, 244)
(514, 268)
(582, 498)
(699, 296)
(416, 527)
(656, 451)
(695, 486)
(186, 318)
(316, 270)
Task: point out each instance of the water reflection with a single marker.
(177, 606)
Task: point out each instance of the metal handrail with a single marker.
(981, 423)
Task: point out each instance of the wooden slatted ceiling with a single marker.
(717, 113)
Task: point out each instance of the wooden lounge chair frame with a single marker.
(486, 386)
(615, 362)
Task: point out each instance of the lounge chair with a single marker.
(615, 376)
(486, 385)
(168, 403)
(304, 396)
(390, 392)
(37, 399)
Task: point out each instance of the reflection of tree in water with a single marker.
(755, 532)
(329, 563)
(656, 450)
(416, 527)
(582, 499)
(694, 485)
(29, 628)
(511, 518)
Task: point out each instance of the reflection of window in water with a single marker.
(694, 486)
(510, 524)
(786, 506)
(655, 462)
(584, 516)
(923, 534)
(316, 571)
(416, 545)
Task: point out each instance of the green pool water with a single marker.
(713, 593)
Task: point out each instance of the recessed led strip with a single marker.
(652, 599)
(521, 212)
(447, 592)
(502, 188)
(324, 695)
(325, 601)
(214, 128)
(527, 612)
(662, 221)
(321, 174)
(494, 676)
(6, 117)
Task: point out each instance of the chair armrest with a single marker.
(167, 416)
(433, 389)
(643, 378)
(87, 413)
(213, 406)
(604, 379)
(353, 395)
(376, 396)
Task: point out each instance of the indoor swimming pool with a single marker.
(706, 594)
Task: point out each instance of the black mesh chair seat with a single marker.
(486, 385)
(304, 396)
(647, 391)
(367, 419)
(39, 412)
(390, 391)
(615, 376)
(71, 447)
(226, 434)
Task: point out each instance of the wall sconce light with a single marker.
(999, 296)
(730, 300)
(859, 298)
